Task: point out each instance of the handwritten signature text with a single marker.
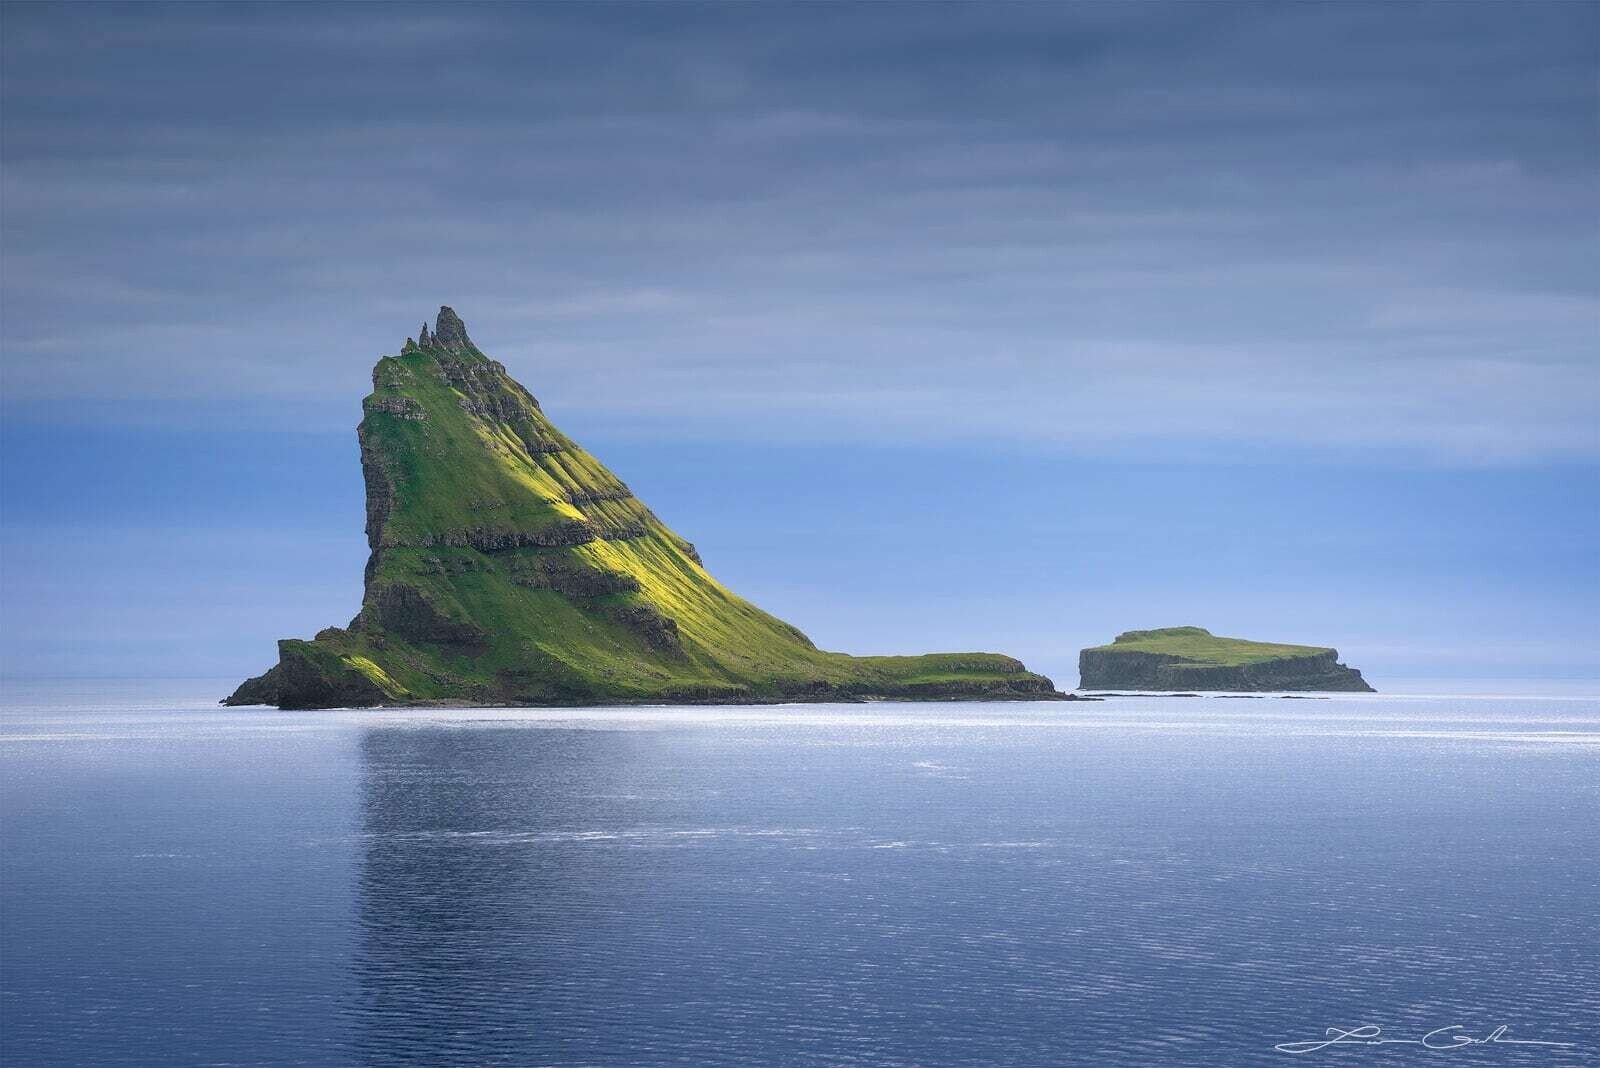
(1441, 1038)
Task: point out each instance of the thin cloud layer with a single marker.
(1325, 226)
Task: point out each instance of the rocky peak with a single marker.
(450, 332)
(508, 565)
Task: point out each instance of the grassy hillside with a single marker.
(509, 565)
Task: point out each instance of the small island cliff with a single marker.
(1192, 658)
(509, 566)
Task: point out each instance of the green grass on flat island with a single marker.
(1197, 643)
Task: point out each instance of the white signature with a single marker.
(1453, 1037)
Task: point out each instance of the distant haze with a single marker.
(990, 326)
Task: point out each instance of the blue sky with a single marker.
(936, 326)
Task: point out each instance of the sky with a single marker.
(933, 326)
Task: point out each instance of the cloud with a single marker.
(1320, 226)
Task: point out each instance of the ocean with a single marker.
(1139, 881)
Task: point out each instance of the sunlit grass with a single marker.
(1199, 644)
(465, 468)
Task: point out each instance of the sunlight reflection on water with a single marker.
(1186, 880)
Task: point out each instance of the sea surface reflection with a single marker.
(1114, 884)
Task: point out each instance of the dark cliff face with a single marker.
(509, 566)
(1185, 659)
(1155, 671)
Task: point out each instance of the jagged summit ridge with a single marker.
(449, 334)
(509, 566)
(449, 331)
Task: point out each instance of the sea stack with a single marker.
(509, 566)
(1187, 659)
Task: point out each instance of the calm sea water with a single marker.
(1137, 882)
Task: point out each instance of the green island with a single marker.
(1192, 658)
(509, 567)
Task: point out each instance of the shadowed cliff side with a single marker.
(509, 566)
(1192, 658)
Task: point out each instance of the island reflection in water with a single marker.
(945, 892)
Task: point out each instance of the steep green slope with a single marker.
(510, 566)
(1192, 658)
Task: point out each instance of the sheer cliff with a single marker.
(1192, 658)
(509, 566)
